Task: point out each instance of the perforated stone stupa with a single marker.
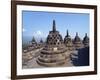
(53, 54)
(77, 42)
(68, 42)
(86, 40)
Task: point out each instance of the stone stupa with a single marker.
(53, 54)
(77, 42)
(86, 40)
(68, 42)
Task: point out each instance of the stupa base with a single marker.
(53, 64)
(52, 60)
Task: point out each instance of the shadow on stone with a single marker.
(82, 57)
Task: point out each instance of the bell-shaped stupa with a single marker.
(78, 42)
(86, 40)
(68, 42)
(53, 54)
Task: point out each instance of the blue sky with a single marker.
(38, 24)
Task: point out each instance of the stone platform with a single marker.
(31, 62)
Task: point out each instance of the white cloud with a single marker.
(39, 33)
(24, 30)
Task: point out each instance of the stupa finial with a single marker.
(76, 33)
(67, 33)
(54, 26)
(86, 34)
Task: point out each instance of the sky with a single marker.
(38, 24)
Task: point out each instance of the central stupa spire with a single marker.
(54, 26)
(67, 33)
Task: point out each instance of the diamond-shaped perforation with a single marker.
(54, 39)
